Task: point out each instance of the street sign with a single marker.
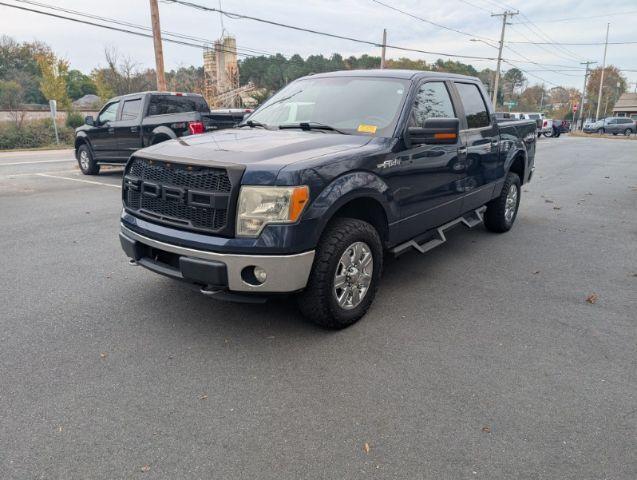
(53, 106)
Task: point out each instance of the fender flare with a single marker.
(161, 130)
(82, 139)
(344, 189)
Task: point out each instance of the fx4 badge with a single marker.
(395, 162)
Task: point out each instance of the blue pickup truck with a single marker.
(328, 176)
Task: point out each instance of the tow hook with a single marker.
(132, 262)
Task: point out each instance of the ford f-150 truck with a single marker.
(130, 122)
(329, 175)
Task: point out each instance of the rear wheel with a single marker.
(345, 274)
(502, 211)
(86, 161)
(628, 132)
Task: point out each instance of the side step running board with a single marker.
(429, 240)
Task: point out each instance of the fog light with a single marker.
(260, 274)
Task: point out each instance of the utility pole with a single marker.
(507, 13)
(159, 53)
(601, 78)
(382, 52)
(581, 107)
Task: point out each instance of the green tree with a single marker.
(614, 85)
(54, 71)
(11, 99)
(78, 85)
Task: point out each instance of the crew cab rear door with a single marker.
(127, 126)
(481, 137)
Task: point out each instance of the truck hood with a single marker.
(251, 146)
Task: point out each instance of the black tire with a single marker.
(495, 218)
(628, 132)
(615, 133)
(548, 134)
(87, 164)
(318, 301)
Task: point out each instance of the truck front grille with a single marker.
(190, 197)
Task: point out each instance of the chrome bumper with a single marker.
(285, 273)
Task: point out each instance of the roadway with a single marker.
(480, 359)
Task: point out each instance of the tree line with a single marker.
(30, 72)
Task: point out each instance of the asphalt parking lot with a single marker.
(480, 359)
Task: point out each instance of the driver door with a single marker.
(430, 183)
(102, 135)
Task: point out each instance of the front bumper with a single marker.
(220, 271)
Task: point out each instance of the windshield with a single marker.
(355, 105)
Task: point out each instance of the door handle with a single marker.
(111, 130)
(133, 129)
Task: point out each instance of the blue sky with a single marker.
(365, 19)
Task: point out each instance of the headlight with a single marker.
(259, 206)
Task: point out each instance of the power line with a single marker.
(238, 16)
(475, 6)
(133, 25)
(537, 31)
(632, 42)
(439, 25)
(531, 74)
(559, 20)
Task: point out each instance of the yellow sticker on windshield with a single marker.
(367, 128)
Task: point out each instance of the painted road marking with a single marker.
(32, 174)
(78, 180)
(35, 161)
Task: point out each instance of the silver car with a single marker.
(614, 125)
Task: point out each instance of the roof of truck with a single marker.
(389, 73)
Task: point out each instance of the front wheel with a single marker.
(600, 131)
(502, 211)
(86, 161)
(548, 134)
(345, 274)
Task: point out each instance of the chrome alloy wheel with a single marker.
(353, 275)
(511, 203)
(84, 160)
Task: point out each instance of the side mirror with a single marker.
(89, 120)
(437, 131)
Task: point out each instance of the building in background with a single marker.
(626, 106)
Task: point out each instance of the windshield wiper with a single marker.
(312, 126)
(252, 124)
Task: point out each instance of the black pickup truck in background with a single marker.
(322, 181)
(130, 122)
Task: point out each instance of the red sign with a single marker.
(575, 105)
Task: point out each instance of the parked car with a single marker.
(130, 122)
(542, 124)
(614, 125)
(372, 162)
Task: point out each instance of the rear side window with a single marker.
(627, 120)
(131, 109)
(474, 107)
(432, 101)
(163, 104)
